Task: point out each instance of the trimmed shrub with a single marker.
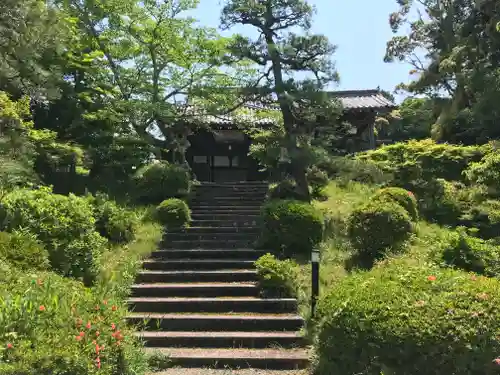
(286, 189)
(471, 254)
(173, 213)
(376, 226)
(407, 319)
(291, 226)
(159, 181)
(22, 250)
(113, 222)
(277, 278)
(484, 217)
(486, 172)
(403, 197)
(65, 225)
(317, 179)
(346, 169)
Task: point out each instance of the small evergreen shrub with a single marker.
(376, 226)
(346, 169)
(113, 222)
(484, 217)
(291, 226)
(286, 189)
(486, 172)
(277, 278)
(403, 197)
(159, 181)
(65, 225)
(317, 179)
(471, 254)
(22, 250)
(173, 213)
(408, 319)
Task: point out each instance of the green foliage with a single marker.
(403, 197)
(291, 226)
(22, 250)
(346, 169)
(471, 254)
(423, 160)
(53, 325)
(159, 181)
(407, 319)
(486, 172)
(317, 179)
(65, 225)
(277, 278)
(484, 217)
(286, 189)
(173, 213)
(376, 226)
(117, 224)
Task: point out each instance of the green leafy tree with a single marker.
(281, 53)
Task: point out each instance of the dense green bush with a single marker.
(374, 227)
(65, 225)
(22, 250)
(53, 325)
(423, 160)
(173, 213)
(484, 217)
(347, 169)
(486, 172)
(317, 179)
(403, 197)
(291, 226)
(113, 222)
(286, 189)
(408, 319)
(277, 278)
(159, 181)
(471, 254)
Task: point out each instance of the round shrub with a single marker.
(65, 225)
(113, 222)
(409, 319)
(403, 197)
(159, 181)
(471, 254)
(376, 226)
(277, 278)
(22, 250)
(292, 226)
(486, 172)
(173, 213)
(286, 189)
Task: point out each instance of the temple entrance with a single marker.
(221, 156)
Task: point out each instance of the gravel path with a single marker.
(202, 371)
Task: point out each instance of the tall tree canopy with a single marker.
(295, 69)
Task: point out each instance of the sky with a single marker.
(360, 30)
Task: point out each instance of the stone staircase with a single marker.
(197, 298)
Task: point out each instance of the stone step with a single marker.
(216, 211)
(254, 219)
(222, 339)
(229, 275)
(217, 322)
(208, 244)
(248, 289)
(190, 264)
(217, 229)
(238, 222)
(212, 305)
(283, 359)
(247, 237)
(233, 254)
(227, 200)
(209, 206)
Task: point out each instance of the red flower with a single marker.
(97, 349)
(113, 326)
(78, 338)
(431, 278)
(88, 325)
(473, 278)
(98, 362)
(9, 346)
(39, 282)
(97, 334)
(496, 361)
(114, 308)
(82, 334)
(105, 302)
(41, 308)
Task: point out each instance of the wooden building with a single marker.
(221, 154)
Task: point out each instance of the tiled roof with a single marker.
(352, 101)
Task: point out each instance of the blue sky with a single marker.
(359, 28)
